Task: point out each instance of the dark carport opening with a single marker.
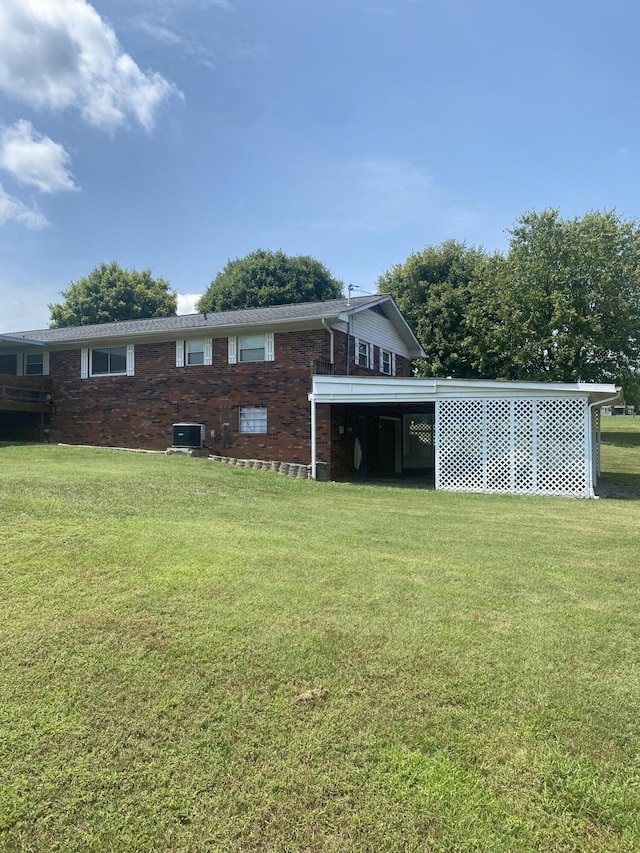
(385, 442)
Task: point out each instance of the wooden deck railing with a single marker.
(25, 393)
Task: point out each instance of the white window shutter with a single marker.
(393, 364)
(45, 363)
(371, 356)
(356, 350)
(381, 360)
(179, 353)
(233, 350)
(84, 363)
(208, 351)
(130, 360)
(269, 349)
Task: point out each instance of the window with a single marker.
(253, 419)
(34, 364)
(251, 348)
(385, 362)
(107, 361)
(363, 354)
(194, 352)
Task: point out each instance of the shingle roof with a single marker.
(330, 309)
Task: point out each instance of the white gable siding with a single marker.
(371, 327)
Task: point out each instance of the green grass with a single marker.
(160, 615)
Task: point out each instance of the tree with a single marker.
(436, 289)
(566, 302)
(269, 278)
(110, 293)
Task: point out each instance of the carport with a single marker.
(533, 438)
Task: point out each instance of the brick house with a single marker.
(245, 375)
(324, 384)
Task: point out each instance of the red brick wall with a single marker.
(139, 410)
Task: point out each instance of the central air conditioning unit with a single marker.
(188, 435)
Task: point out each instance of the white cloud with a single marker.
(187, 302)
(58, 54)
(35, 160)
(13, 210)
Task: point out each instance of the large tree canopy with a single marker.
(567, 300)
(436, 290)
(562, 305)
(269, 278)
(110, 293)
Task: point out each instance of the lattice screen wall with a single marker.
(528, 447)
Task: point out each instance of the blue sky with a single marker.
(178, 134)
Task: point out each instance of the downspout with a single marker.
(330, 330)
(590, 407)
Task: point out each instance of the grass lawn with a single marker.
(159, 617)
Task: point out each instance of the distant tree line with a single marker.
(561, 304)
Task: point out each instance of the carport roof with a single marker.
(391, 389)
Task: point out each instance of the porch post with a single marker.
(313, 436)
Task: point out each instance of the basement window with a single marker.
(253, 420)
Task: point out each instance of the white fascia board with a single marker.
(346, 389)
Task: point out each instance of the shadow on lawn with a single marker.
(619, 486)
(621, 439)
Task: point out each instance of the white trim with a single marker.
(131, 363)
(436, 427)
(313, 438)
(385, 389)
(371, 357)
(269, 348)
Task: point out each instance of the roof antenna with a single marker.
(351, 287)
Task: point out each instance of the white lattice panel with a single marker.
(517, 446)
(498, 459)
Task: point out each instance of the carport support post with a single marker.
(313, 436)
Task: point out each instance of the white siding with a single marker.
(375, 329)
